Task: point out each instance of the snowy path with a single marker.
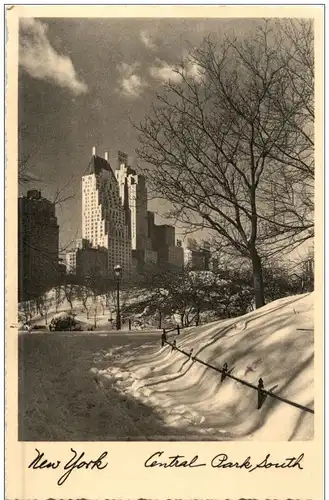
(125, 387)
(61, 397)
(267, 343)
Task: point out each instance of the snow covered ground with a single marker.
(274, 342)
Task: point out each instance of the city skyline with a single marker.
(103, 75)
(140, 334)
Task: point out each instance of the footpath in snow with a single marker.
(274, 342)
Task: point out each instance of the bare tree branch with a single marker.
(231, 149)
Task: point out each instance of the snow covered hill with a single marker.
(274, 342)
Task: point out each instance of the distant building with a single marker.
(163, 236)
(61, 269)
(81, 243)
(71, 255)
(171, 257)
(214, 265)
(71, 261)
(162, 241)
(105, 221)
(91, 262)
(38, 242)
(150, 230)
(196, 258)
(308, 266)
(145, 259)
(133, 194)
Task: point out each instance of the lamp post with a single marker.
(117, 273)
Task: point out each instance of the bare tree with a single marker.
(46, 304)
(25, 157)
(70, 292)
(58, 296)
(217, 144)
(84, 293)
(27, 310)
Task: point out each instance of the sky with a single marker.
(82, 82)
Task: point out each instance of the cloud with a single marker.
(194, 70)
(146, 40)
(130, 83)
(40, 60)
(163, 72)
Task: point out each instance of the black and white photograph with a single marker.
(166, 248)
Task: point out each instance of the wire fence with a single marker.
(262, 393)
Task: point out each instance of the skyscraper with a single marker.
(133, 193)
(38, 241)
(105, 221)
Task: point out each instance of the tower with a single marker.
(104, 219)
(133, 193)
(38, 242)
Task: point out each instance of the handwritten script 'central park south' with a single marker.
(79, 461)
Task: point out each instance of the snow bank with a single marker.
(274, 342)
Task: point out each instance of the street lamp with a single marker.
(117, 273)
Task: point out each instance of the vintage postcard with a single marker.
(164, 175)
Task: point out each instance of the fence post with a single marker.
(191, 352)
(261, 395)
(178, 332)
(173, 345)
(224, 372)
(163, 338)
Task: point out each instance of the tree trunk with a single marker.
(258, 279)
(197, 319)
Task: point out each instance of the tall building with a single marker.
(38, 242)
(91, 262)
(71, 261)
(71, 255)
(171, 257)
(105, 221)
(162, 241)
(164, 236)
(197, 258)
(133, 194)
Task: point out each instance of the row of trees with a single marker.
(93, 294)
(185, 297)
(231, 144)
(192, 297)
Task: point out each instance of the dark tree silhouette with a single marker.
(230, 146)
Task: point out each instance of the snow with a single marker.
(105, 317)
(274, 342)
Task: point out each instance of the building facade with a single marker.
(105, 221)
(198, 259)
(133, 193)
(161, 239)
(91, 262)
(71, 255)
(145, 260)
(171, 257)
(164, 236)
(38, 245)
(71, 261)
